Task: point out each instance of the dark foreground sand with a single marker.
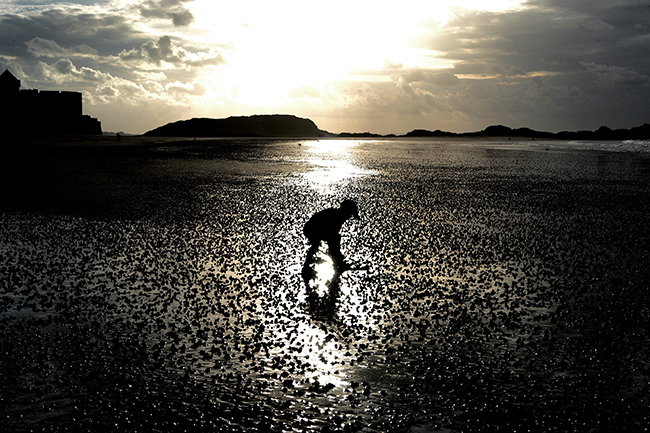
(157, 288)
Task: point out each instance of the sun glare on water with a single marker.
(325, 272)
(330, 164)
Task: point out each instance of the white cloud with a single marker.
(194, 89)
(64, 71)
(164, 53)
(104, 89)
(40, 47)
(173, 10)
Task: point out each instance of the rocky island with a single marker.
(276, 125)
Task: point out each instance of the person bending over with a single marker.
(325, 226)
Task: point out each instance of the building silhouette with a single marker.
(42, 112)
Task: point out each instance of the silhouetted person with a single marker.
(325, 226)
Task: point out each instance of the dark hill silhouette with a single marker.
(275, 125)
(284, 125)
(603, 133)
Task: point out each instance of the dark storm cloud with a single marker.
(544, 39)
(63, 48)
(108, 39)
(106, 33)
(167, 9)
(605, 32)
(615, 76)
(553, 64)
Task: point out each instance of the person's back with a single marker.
(326, 225)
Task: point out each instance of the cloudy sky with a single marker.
(353, 65)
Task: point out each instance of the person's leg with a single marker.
(334, 245)
(313, 248)
(307, 271)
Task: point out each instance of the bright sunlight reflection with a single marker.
(326, 354)
(331, 147)
(325, 272)
(330, 159)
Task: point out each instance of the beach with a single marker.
(155, 285)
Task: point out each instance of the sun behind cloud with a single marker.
(278, 47)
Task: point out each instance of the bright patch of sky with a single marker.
(289, 44)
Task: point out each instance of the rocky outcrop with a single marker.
(276, 125)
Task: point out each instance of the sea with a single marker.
(156, 285)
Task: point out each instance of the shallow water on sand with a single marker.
(158, 287)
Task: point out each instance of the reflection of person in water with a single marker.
(325, 226)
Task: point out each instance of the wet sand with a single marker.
(155, 286)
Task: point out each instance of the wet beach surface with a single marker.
(156, 286)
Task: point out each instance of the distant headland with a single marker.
(603, 133)
(274, 125)
(289, 126)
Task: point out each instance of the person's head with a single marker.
(350, 208)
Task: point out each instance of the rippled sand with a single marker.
(156, 286)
